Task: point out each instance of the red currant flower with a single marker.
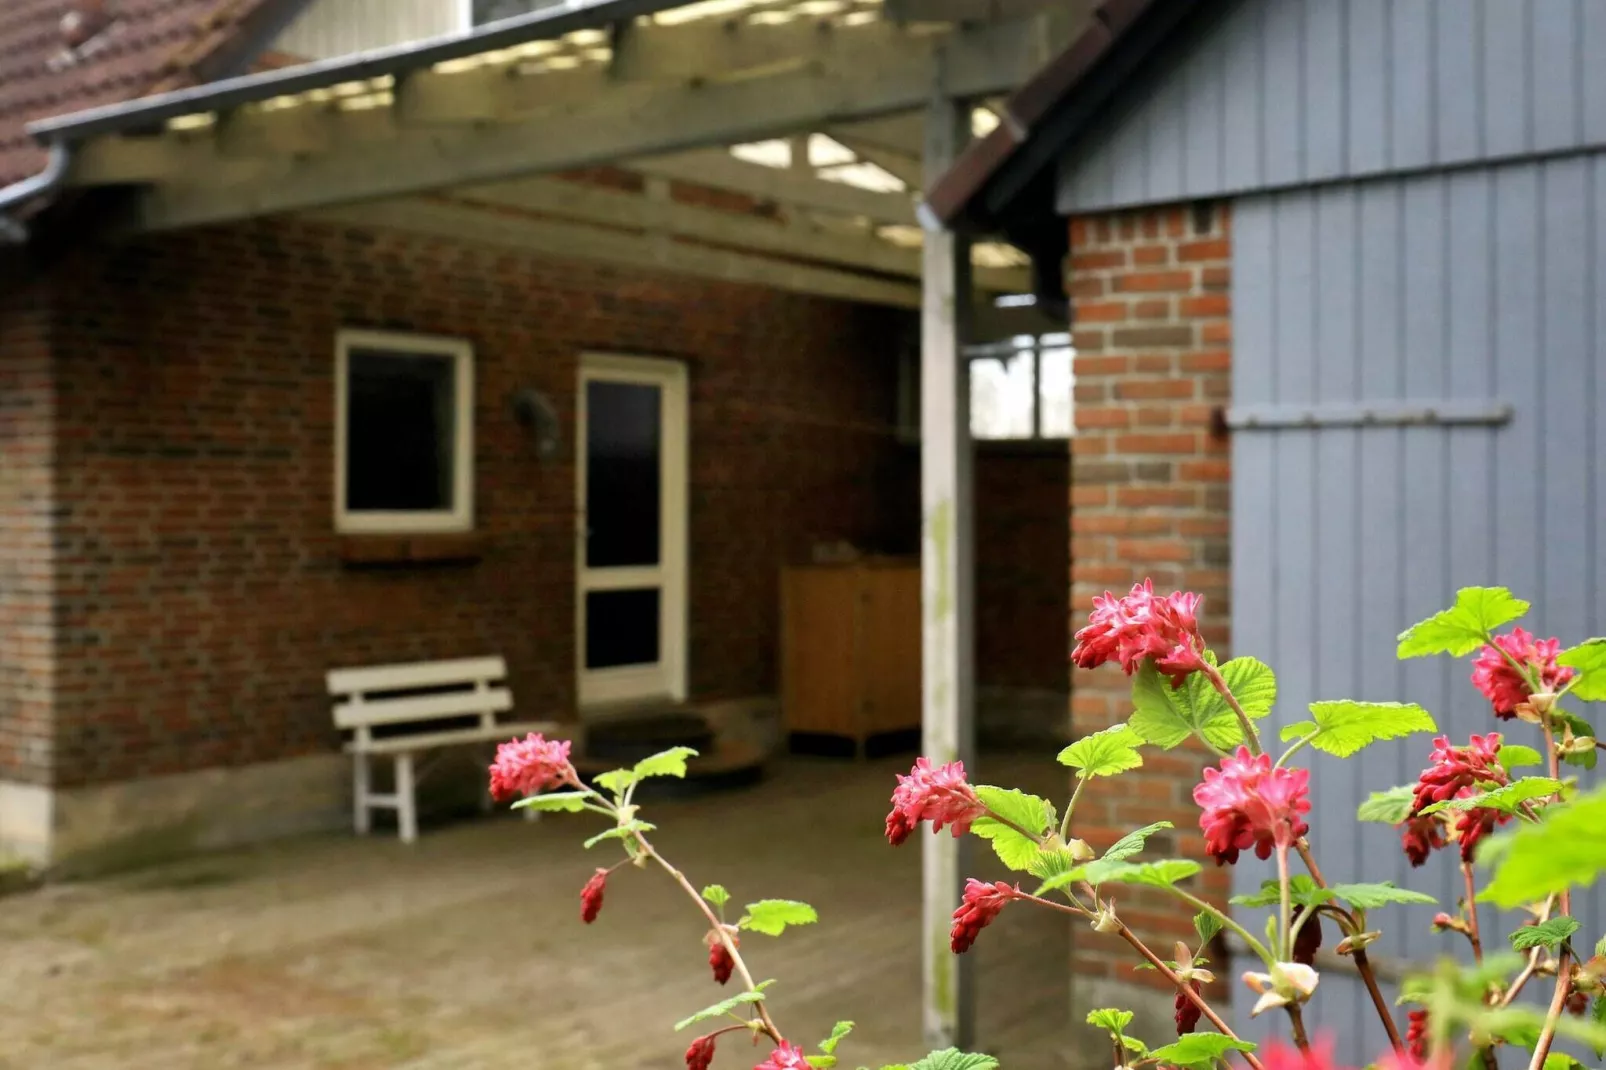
(591, 896)
(529, 766)
(1416, 1034)
(1247, 803)
(1421, 836)
(1455, 769)
(1279, 1056)
(1474, 825)
(1186, 1012)
(940, 795)
(1288, 982)
(701, 1052)
(1500, 681)
(786, 1056)
(979, 906)
(721, 962)
(1139, 626)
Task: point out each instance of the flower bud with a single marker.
(1288, 982)
(1356, 942)
(1105, 920)
(1081, 851)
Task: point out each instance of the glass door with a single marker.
(631, 461)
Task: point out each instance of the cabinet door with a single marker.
(819, 664)
(889, 631)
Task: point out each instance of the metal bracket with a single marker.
(1398, 414)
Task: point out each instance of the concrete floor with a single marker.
(467, 951)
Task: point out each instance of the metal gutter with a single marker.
(55, 171)
(152, 111)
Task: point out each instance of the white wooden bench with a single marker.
(394, 697)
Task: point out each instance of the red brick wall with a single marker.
(27, 396)
(1150, 292)
(202, 589)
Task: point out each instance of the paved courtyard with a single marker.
(467, 951)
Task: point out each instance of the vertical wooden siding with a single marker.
(1485, 284)
(330, 28)
(1278, 93)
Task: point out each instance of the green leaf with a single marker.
(617, 781)
(569, 802)
(1207, 925)
(954, 1059)
(1298, 730)
(1372, 896)
(1597, 1015)
(1348, 726)
(1515, 755)
(1589, 658)
(1202, 1050)
(717, 895)
(1050, 862)
(1155, 874)
(1107, 753)
(1550, 933)
(671, 762)
(1465, 626)
(620, 832)
(1557, 1060)
(821, 1062)
(1110, 1019)
(1301, 889)
(1012, 849)
(772, 916)
(1566, 850)
(1034, 814)
(1507, 799)
(1133, 841)
(838, 1031)
(1390, 807)
(1165, 716)
(720, 1009)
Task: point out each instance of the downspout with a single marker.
(12, 230)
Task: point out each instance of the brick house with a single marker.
(207, 503)
(1334, 269)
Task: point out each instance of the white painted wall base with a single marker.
(112, 826)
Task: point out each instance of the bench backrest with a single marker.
(419, 691)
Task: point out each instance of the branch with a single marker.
(1558, 1001)
(1219, 682)
(1185, 988)
(1472, 911)
(1363, 965)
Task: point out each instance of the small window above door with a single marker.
(403, 433)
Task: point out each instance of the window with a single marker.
(404, 434)
(1020, 388)
(482, 11)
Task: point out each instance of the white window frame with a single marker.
(460, 517)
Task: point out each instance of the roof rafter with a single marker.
(718, 169)
(850, 76)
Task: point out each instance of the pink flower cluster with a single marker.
(1280, 1056)
(530, 765)
(1185, 1012)
(980, 904)
(1455, 773)
(721, 962)
(591, 896)
(701, 1052)
(1247, 803)
(940, 795)
(1139, 625)
(1503, 684)
(786, 1056)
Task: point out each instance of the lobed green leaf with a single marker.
(1390, 807)
(1589, 658)
(720, 1009)
(1165, 716)
(620, 832)
(1133, 841)
(1161, 874)
(1105, 753)
(1342, 728)
(1034, 814)
(1207, 925)
(1507, 799)
(671, 762)
(1301, 889)
(1464, 627)
(1014, 850)
(1110, 1019)
(838, 1031)
(1566, 850)
(1548, 933)
(954, 1059)
(617, 781)
(772, 916)
(1199, 1050)
(1050, 862)
(1515, 755)
(1372, 896)
(569, 802)
(717, 895)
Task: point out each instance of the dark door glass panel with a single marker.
(401, 414)
(621, 628)
(623, 474)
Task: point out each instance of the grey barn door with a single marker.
(1482, 288)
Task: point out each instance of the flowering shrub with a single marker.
(1528, 839)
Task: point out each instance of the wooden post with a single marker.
(947, 595)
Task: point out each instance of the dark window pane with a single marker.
(621, 628)
(400, 431)
(622, 474)
(491, 10)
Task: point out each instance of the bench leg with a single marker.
(406, 799)
(487, 804)
(361, 787)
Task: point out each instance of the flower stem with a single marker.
(1219, 682)
(724, 934)
(1369, 977)
(1285, 934)
(1472, 911)
(1296, 1019)
(1294, 748)
(1185, 988)
(1558, 1002)
(1226, 920)
(1070, 808)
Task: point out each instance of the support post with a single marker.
(947, 577)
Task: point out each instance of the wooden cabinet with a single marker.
(850, 649)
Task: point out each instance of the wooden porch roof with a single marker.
(809, 112)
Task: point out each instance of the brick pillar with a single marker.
(1149, 498)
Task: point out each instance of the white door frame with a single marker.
(666, 678)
